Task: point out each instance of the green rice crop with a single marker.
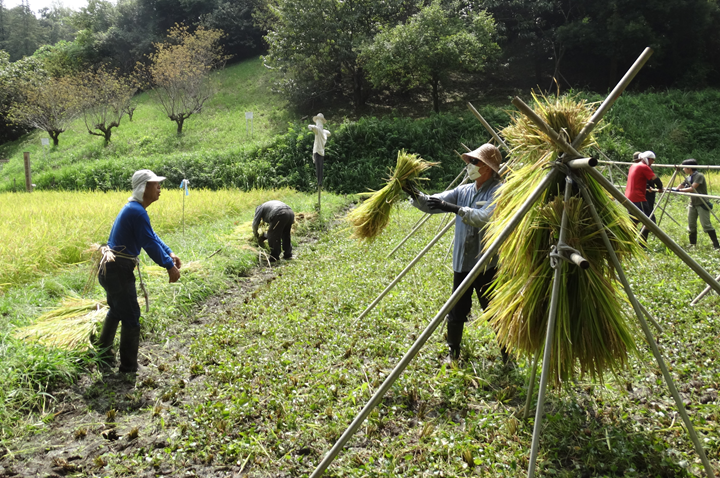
(44, 231)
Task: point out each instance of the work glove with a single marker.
(411, 190)
(437, 203)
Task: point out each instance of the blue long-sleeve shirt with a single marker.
(132, 231)
(476, 211)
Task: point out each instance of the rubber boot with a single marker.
(104, 343)
(714, 239)
(129, 344)
(454, 337)
(645, 234)
(692, 236)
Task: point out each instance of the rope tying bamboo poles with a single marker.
(640, 311)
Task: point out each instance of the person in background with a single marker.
(653, 186)
(638, 177)
(131, 232)
(698, 207)
(279, 217)
(473, 205)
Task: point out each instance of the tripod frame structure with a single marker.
(566, 165)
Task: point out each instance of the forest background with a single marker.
(390, 75)
(323, 51)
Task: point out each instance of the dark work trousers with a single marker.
(651, 205)
(318, 160)
(460, 312)
(645, 208)
(279, 229)
(119, 284)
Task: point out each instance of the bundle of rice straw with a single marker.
(370, 218)
(68, 326)
(592, 328)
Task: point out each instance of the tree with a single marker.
(22, 31)
(428, 47)
(315, 45)
(49, 104)
(12, 77)
(180, 71)
(235, 18)
(612, 34)
(107, 98)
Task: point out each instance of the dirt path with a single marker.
(110, 413)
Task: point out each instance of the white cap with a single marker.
(139, 180)
(647, 155)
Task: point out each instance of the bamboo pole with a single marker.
(655, 165)
(659, 233)
(404, 271)
(664, 193)
(439, 317)
(703, 293)
(640, 311)
(487, 126)
(547, 353)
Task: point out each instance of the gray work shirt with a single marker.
(266, 211)
(476, 211)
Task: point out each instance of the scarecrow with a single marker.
(321, 136)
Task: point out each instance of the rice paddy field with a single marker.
(256, 371)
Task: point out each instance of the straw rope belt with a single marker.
(109, 255)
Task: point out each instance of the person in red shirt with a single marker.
(638, 177)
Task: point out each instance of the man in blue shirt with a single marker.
(472, 203)
(131, 232)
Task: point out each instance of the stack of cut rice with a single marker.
(592, 331)
(69, 326)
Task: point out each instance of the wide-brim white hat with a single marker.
(319, 117)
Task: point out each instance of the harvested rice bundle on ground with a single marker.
(68, 326)
(370, 218)
(591, 328)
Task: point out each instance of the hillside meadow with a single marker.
(258, 370)
(218, 150)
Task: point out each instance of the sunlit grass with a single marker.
(44, 231)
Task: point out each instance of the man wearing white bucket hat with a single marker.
(131, 232)
(321, 136)
(473, 205)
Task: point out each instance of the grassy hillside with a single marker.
(221, 127)
(217, 151)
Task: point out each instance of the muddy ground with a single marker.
(110, 413)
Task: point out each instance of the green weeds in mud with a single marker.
(34, 376)
(271, 380)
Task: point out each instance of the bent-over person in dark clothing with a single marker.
(279, 217)
(131, 232)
